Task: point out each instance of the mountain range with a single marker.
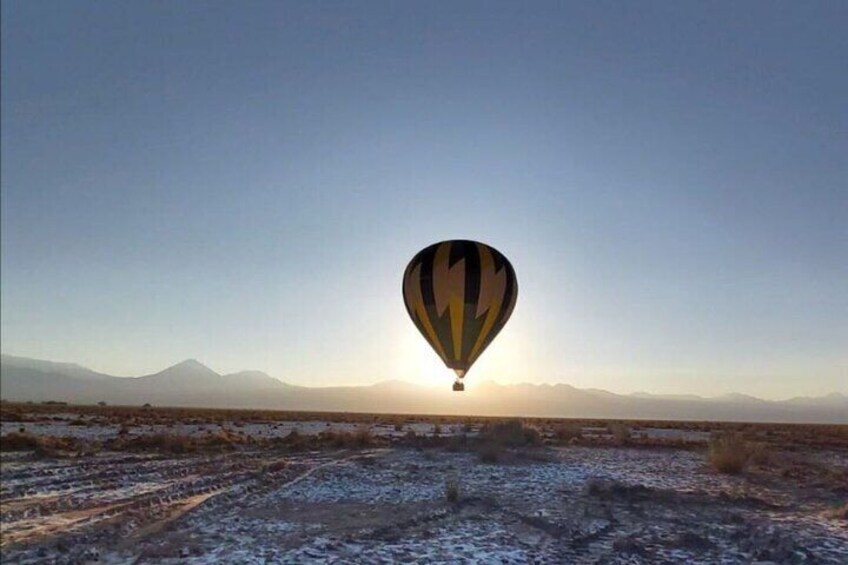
(191, 383)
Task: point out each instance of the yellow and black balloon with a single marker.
(459, 294)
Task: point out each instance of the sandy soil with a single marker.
(574, 504)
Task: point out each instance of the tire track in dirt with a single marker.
(91, 503)
(85, 502)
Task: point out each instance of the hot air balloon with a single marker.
(459, 294)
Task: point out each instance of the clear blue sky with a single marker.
(244, 183)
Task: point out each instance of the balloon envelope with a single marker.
(459, 294)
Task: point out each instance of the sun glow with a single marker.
(415, 360)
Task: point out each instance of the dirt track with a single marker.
(609, 505)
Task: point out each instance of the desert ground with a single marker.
(166, 485)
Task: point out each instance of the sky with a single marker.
(244, 183)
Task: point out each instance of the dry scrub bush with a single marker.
(359, 439)
(276, 466)
(179, 444)
(363, 437)
(511, 433)
(620, 432)
(760, 454)
(457, 443)
(176, 444)
(839, 513)
(294, 440)
(43, 446)
(729, 453)
(452, 488)
(19, 441)
(496, 437)
(565, 433)
(490, 452)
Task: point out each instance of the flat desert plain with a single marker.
(167, 485)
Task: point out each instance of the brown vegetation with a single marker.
(359, 439)
(490, 453)
(511, 433)
(620, 432)
(452, 488)
(839, 513)
(567, 432)
(765, 439)
(499, 439)
(179, 444)
(43, 446)
(729, 453)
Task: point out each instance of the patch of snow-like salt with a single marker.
(354, 482)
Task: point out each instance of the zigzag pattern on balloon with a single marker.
(459, 294)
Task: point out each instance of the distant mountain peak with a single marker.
(191, 364)
(254, 377)
(832, 399)
(654, 396)
(249, 373)
(738, 397)
(184, 370)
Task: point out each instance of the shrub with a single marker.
(164, 442)
(511, 433)
(729, 453)
(535, 454)
(564, 433)
(452, 488)
(45, 451)
(276, 466)
(178, 444)
(620, 432)
(839, 513)
(44, 446)
(363, 437)
(19, 441)
(331, 438)
(490, 452)
(760, 454)
(457, 443)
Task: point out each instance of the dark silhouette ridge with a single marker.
(190, 383)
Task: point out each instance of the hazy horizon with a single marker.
(244, 184)
(438, 384)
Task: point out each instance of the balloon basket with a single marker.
(458, 386)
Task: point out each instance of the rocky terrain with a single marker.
(396, 502)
